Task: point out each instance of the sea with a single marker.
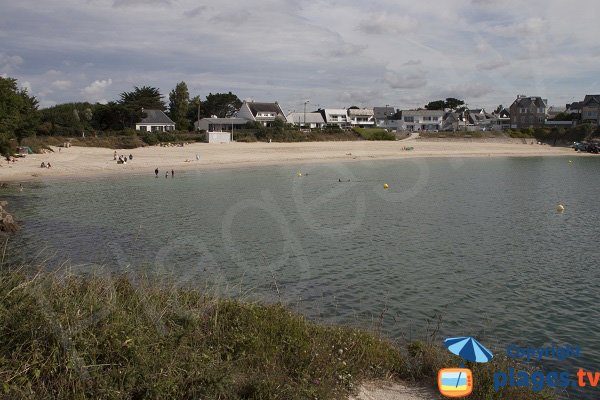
(453, 246)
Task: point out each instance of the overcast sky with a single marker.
(334, 53)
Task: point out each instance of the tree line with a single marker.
(20, 115)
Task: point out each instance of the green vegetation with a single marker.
(18, 113)
(374, 134)
(557, 135)
(179, 101)
(450, 102)
(74, 337)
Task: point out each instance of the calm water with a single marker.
(475, 241)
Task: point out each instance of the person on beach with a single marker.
(167, 174)
(20, 187)
(172, 174)
(49, 165)
(156, 172)
(130, 157)
(197, 157)
(43, 165)
(115, 156)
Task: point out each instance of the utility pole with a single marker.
(307, 101)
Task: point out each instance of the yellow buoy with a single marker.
(299, 173)
(386, 186)
(560, 208)
(570, 161)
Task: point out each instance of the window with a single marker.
(426, 118)
(409, 119)
(143, 128)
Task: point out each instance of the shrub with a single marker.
(374, 134)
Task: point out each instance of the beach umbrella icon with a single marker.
(468, 348)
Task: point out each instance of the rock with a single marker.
(7, 222)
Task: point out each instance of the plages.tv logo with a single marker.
(458, 382)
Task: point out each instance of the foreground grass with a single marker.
(91, 337)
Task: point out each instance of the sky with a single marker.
(332, 53)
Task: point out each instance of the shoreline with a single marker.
(89, 162)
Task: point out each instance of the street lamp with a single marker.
(307, 101)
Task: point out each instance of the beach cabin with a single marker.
(155, 121)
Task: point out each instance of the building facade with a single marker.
(528, 112)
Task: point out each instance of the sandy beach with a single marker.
(88, 162)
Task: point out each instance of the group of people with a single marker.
(45, 165)
(122, 159)
(166, 173)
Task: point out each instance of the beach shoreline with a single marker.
(89, 162)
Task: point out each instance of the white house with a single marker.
(335, 116)
(361, 117)
(220, 124)
(312, 120)
(264, 113)
(155, 121)
(422, 120)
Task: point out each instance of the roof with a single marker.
(309, 118)
(383, 112)
(368, 112)
(424, 113)
(590, 99)
(335, 111)
(155, 117)
(528, 101)
(239, 121)
(264, 107)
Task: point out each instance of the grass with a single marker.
(374, 134)
(74, 337)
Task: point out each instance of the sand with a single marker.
(395, 391)
(88, 162)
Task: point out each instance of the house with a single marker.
(501, 120)
(528, 112)
(590, 109)
(220, 124)
(335, 116)
(454, 121)
(155, 121)
(382, 116)
(481, 120)
(422, 120)
(312, 120)
(555, 111)
(361, 117)
(265, 113)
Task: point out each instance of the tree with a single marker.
(195, 104)
(18, 111)
(68, 119)
(111, 116)
(223, 105)
(498, 109)
(179, 100)
(145, 97)
(435, 105)
(453, 103)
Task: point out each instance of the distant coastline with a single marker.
(85, 162)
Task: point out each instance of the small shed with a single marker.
(218, 137)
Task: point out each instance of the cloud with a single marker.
(194, 12)
(383, 24)
(95, 90)
(412, 80)
(27, 86)
(128, 3)
(9, 63)
(529, 27)
(466, 91)
(412, 62)
(492, 65)
(61, 84)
